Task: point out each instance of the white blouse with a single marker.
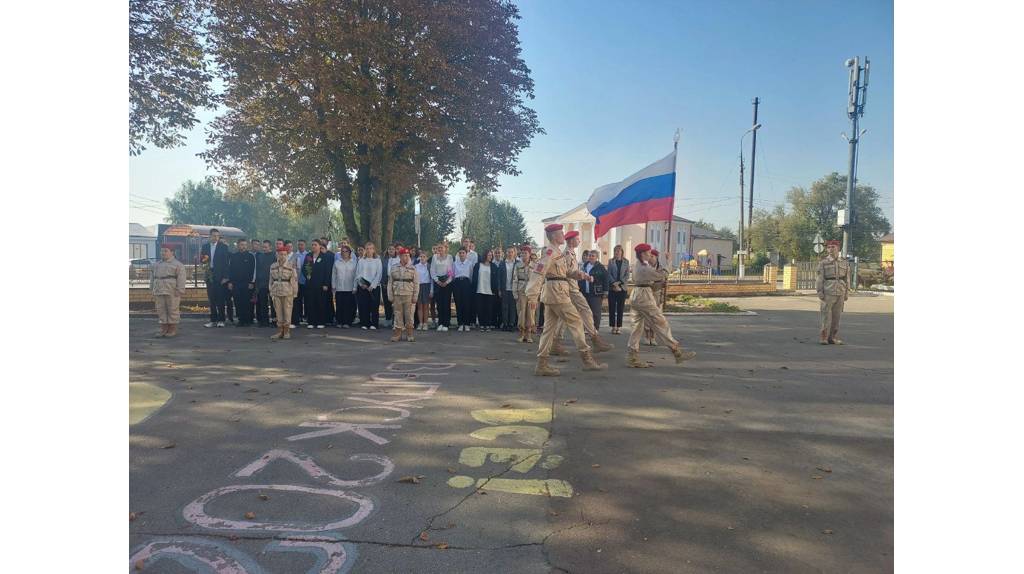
(484, 279)
(370, 270)
(343, 277)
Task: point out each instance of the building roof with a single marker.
(887, 238)
(583, 205)
(136, 230)
(185, 230)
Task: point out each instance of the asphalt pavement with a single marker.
(337, 451)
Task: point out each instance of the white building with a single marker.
(688, 240)
(141, 242)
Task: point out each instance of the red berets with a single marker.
(641, 248)
(283, 249)
(655, 253)
(553, 227)
(835, 242)
(572, 234)
(403, 251)
(525, 247)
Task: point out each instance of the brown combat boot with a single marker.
(529, 335)
(681, 355)
(408, 334)
(599, 344)
(522, 335)
(633, 360)
(396, 336)
(558, 349)
(163, 331)
(279, 334)
(172, 330)
(287, 330)
(823, 340)
(589, 364)
(544, 369)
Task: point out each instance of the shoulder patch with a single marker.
(550, 251)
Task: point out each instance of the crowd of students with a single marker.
(348, 287)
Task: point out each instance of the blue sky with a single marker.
(615, 79)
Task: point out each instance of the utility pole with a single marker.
(753, 161)
(854, 110)
(739, 256)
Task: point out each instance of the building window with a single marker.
(138, 250)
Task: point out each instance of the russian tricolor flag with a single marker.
(647, 195)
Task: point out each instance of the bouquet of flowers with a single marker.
(308, 267)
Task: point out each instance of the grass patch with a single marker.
(695, 304)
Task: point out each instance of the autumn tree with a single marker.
(369, 102)
(168, 76)
(491, 222)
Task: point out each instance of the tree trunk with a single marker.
(343, 189)
(364, 189)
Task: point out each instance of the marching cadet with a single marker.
(403, 290)
(557, 274)
(167, 282)
(572, 241)
(521, 274)
(283, 288)
(534, 284)
(658, 288)
(645, 310)
(833, 287)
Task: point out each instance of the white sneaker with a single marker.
(309, 326)
(372, 328)
(210, 324)
(220, 324)
(291, 326)
(319, 326)
(441, 328)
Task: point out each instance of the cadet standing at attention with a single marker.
(167, 283)
(556, 271)
(521, 279)
(283, 288)
(572, 240)
(646, 310)
(403, 291)
(833, 287)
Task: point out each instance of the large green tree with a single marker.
(368, 102)
(437, 220)
(492, 222)
(168, 75)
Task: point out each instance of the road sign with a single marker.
(818, 248)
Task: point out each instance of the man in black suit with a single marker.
(264, 260)
(317, 285)
(242, 280)
(215, 255)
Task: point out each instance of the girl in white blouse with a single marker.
(368, 273)
(343, 281)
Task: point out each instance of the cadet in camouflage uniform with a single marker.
(403, 291)
(534, 284)
(520, 278)
(167, 282)
(833, 287)
(658, 288)
(646, 310)
(284, 288)
(572, 241)
(558, 306)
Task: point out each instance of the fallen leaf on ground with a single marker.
(599, 489)
(250, 515)
(452, 470)
(424, 536)
(169, 445)
(506, 406)
(784, 367)
(595, 465)
(132, 516)
(236, 384)
(727, 411)
(827, 531)
(732, 528)
(252, 390)
(236, 419)
(491, 358)
(411, 479)
(441, 546)
(817, 476)
(330, 446)
(824, 468)
(570, 401)
(482, 491)
(264, 497)
(297, 390)
(553, 513)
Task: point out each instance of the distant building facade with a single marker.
(141, 242)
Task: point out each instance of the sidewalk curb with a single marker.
(706, 313)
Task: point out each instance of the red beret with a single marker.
(525, 247)
(641, 248)
(283, 249)
(835, 242)
(553, 227)
(403, 251)
(572, 234)
(655, 253)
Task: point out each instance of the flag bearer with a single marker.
(646, 310)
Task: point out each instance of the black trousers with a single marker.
(262, 305)
(443, 300)
(389, 310)
(330, 311)
(369, 306)
(215, 294)
(595, 308)
(344, 307)
(241, 296)
(616, 306)
(496, 312)
(509, 314)
(540, 316)
(298, 305)
(316, 311)
(463, 301)
(229, 302)
(485, 309)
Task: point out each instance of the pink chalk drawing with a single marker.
(316, 472)
(331, 557)
(195, 511)
(419, 367)
(424, 390)
(198, 555)
(338, 428)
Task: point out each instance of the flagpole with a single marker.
(671, 216)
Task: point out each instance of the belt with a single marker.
(403, 280)
(281, 280)
(168, 277)
(556, 279)
(835, 278)
(644, 285)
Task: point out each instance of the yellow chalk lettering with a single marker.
(505, 416)
(530, 436)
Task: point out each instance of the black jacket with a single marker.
(495, 280)
(600, 284)
(263, 263)
(242, 266)
(219, 265)
(321, 273)
(502, 276)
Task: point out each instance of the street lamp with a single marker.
(740, 250)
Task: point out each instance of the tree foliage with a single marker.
(724, 231)
(790, 230)
(491, 222)
(437, 220)
(168, 76)
(369, 102)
